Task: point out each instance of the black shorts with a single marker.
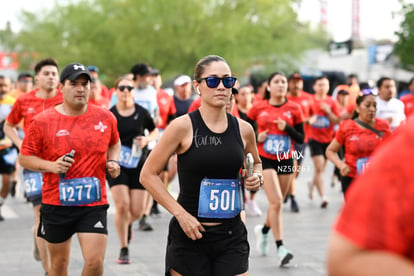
(317, 148)
(281, 167)
(8, 158)
(223, 250)
(300, 152)
(59, 223)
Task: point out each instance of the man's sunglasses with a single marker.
(122, 88)
(213, 82)
(367, 92)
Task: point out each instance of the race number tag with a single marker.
(361, 165)
(127, 159)
(10, 157)
(321, 122)
(275, 144)
(79, 191)
(220, 198)
(33, 182)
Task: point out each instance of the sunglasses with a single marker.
(122, 88)
(213, 82)
(367, 92)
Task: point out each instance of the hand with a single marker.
(113, 168)
(262, 136)
(344, 170)
(326, 108)
(141, 141)
(251, 183)
(62, 164)
(190, 225)
(281, 124)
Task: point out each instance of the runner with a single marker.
(128, 193)
(206, 234)
(280, 125)
(46, 95)
(72, 144)
(359, 136)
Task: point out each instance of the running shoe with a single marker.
(284, 255)
(144, 225)
(261, 240)
(36, 254)
(124, 256)
(252, 209)
(294, 207)
(324, 203)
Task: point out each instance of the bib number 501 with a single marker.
(225, 200)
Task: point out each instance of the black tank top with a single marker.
(211, 155)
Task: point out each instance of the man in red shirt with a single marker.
(408, 100)
(374, 234)
(24, 109)
(73, 144)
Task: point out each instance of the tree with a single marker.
(169, 35)
(404, 47)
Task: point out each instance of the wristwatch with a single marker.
(260, 176)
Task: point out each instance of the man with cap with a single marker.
(73, 144)
(105, 94)
(182, 95)
(26, 107)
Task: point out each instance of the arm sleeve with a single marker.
(296, 133)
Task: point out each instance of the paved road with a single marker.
(306, 234)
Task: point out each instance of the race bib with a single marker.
(79, 191)
(127, 159)
(33, 182)
(321, 122)
(220, 198)
(275, 144)
(362, 164)
(10, 157)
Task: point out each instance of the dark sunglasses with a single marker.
(122, 88)
(367, 92)
(213, 82)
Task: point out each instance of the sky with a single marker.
(376, 20)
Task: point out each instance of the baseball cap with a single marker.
(343, 92)
(180, 80)
(155, 72)
(73, 71)
(24, 75)
(295, 76)
(93, 68)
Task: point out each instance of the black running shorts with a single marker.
(317, 148)
(59, 223)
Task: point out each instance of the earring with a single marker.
(198, 91)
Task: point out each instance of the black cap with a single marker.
(155, 72)
(73, 71)
(24, 75)
(141, 69)
(295, 76)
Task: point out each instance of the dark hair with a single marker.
(269, 79)
(360, 98)
(320, 78)
(411, 81)
(352, 75)
(381, 81)
(204, 62)
(45, 62)
(141, 69)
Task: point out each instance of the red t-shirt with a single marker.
(52, 134)
(166, 106)
(322, 130)
(360, 142)
(278, 144)
(29, 105)
(408, 101)
(379, 211)
(305, 100)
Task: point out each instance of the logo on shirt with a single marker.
(62, 132)
(31, 110)
(353, 138)
(206, 140)
(287, 114)
(101, 127)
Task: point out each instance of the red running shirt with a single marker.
(53, 134)
(360, 142)
(29, 105)
(278, 142)
(379, 211)
(322, 130)
(408, 101)
(166, 107)
(305, 100)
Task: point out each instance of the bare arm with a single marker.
(345, 258)
(332, 155)
(35, 163)
(176, 138)
(113, 154)
(11, 132)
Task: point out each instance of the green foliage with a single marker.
(404, 47)
(169, 35)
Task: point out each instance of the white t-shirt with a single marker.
(147, 98)
(393, 108)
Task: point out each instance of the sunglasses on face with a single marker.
(122, 88)
(367, 92)
(213, 82)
